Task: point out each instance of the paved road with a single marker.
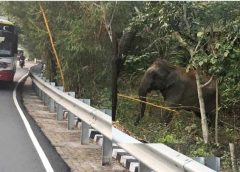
(17, 152)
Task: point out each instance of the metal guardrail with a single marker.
(58, 101)
(94, 117)
(157, 157)
(152, 157)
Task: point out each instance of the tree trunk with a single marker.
(216, 118)
(233, 157)
(114, 90)
(114, 76)
(202, 109)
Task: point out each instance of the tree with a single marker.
(207, 32)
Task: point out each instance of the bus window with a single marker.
(5, 47)
(2, 39)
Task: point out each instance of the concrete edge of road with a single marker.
(30, 132)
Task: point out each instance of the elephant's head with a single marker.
(155, 78)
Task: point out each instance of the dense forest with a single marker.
(90, 36)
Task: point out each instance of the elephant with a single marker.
(178, 88)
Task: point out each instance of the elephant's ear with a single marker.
(172, 78)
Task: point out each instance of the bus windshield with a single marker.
(5, 47)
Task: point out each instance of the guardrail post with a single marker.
(59, 107)
(59, 112)
(70, 115)
(199, 159)
(84, 133)
(85, 127)
(107, 144)
(86, 101)
(42, 96)
(51, 102)
(144, 168)
(39, 93)
(71, 120)
(211, 162)
(37, 90)
(45, 100)
(46, 97)
(44, 78)
(34, 86)
(107, 111)
(106, 151)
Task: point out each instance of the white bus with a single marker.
(8, 50)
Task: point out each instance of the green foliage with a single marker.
(138, 64)
(204, 34)
(169, 139)
(200, 151)
(80, 38)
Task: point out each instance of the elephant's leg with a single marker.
(173, 100)
(140, 116)
(167, 115)
(143, 107)
(211, 118)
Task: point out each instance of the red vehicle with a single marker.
(8, 50)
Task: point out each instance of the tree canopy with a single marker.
(200, 35)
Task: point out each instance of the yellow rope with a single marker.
(137, 100)
(52, 44)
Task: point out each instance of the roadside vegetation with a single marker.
(200, 35)
(215, 26)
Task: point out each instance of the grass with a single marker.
(183, 133)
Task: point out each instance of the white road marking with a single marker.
(36, 144)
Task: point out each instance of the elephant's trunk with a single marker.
(142, 93)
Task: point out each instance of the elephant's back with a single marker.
(190, 96)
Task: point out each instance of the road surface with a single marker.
(17, 152)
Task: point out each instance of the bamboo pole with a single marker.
(52, 44)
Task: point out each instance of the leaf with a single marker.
(200, 34)
(217, 45)
(213, 60)
(200, 63)
(226, 53)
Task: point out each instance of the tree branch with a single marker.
(108, 26)
(185, 17)
(152, 43)
(196, 48)
(110, 23)
(235, 38)
(213, 51)
(179, 38)
(207, 83)
(137, 10)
